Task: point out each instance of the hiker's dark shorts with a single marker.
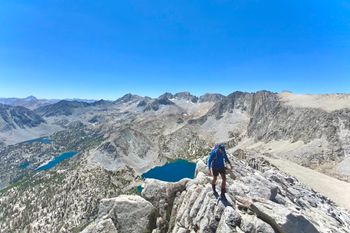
(217, 171)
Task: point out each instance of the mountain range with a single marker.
(119, 140)
(31, 102)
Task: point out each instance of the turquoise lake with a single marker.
(57, 160)
(44, 140)
(24, 165)
(173, 171)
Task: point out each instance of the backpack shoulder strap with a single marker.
(216, 155)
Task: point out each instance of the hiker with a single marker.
(216, 164)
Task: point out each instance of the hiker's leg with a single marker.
(213, 184)
(223, 184)
(214, 180)
(215, 176)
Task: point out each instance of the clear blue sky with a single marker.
(104, 49)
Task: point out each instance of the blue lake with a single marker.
(139, 189)
(24, 165)
(57, 160)
(44, 140)
(173, 171)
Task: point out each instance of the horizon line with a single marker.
(173, 93)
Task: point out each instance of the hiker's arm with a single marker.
(227, 160)
(210, 160)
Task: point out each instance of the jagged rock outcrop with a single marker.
(185, 95)
(156, 104)
(162, 194)
(125, 213)
(269, 201)
(236, 100)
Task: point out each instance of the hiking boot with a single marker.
(223, 197)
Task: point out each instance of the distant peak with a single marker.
(186, 96)
(31, 98)
(211, 97)
(166, 95)
(127, 97)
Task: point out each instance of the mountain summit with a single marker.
(259, 198)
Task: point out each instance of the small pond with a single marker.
(24, 165)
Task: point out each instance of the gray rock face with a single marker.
(156, 104)
(166, 95)
(211, 97)
(102, 226)
(236, 100)
(162, 194)
(255, 202)
(129, 142)
(123, 214)
(230, 219)
(18, 117)
(186, 96)
(251, 223)
(273, 120)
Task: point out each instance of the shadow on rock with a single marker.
(222, 198)
(297, 223)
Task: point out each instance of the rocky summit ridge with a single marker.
(260, 198)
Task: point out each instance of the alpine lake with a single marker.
(56, 160)
(53, 162)
(171, 172)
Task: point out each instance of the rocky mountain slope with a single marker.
(118, 141)
(17, 117)
(63, 107)
(308, 135)
(259, 199)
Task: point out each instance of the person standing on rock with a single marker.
(216, 164)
